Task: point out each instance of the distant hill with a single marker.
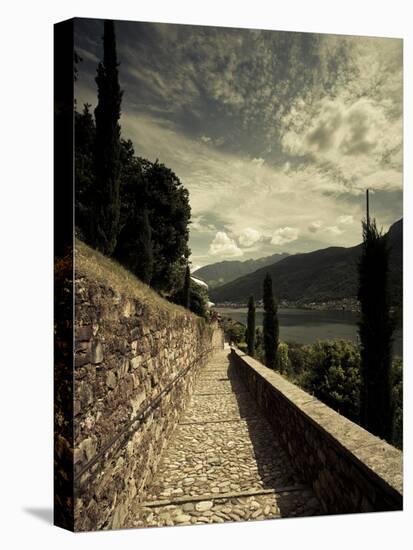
(322, 275)
(223, 272)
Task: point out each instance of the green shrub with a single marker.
(333, 376)
(233, 330)
(298, 359)
(283, 364)
(259, 344)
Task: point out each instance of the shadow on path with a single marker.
(274, 466)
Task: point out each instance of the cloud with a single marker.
(345, 220)
(258, 161)
(199, 224)
(85, 54)
(248, 237)
(266, 130)
(333, 230)
(315, 226)
(321, 135)
(355, 144)
(284, 235)
(224, 246)
(230, 193)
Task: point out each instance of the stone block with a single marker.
(83, 333)
(82, 358)
(96, 352)
(84, 393)
(135, 362)
(76, 407)
(124, 367)
(135, 333)
(119, 515)
(204, 505)
(137, 401)
(88, 447)
(134, 347)
(111, 380)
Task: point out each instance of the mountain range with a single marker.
(319, 276)
(224, 272)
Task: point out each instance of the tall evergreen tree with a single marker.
(144, 249)
(251, 327)
(270, 324)
(186, 288)
(84, 172)
(107, 147)
(375, 331)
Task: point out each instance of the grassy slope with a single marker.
(106, 271)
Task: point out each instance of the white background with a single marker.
(26, 271)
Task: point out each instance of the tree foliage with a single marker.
(134, 248)
(186, 299)
(251, 327)
(333, 375)
(126, 206)
(198, 300)
(107, 166)
(85, 133)
(169, 214)
(331, 370)
(270, 324)
(283, 364)
(233, 330)
(375, 331)
(259, 344)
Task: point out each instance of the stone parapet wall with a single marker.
(135, 366)
(349, 469)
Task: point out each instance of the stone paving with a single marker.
(223, 462)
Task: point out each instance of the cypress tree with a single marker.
(270, 324)
(375, 332)
(186, 288)
(84, 172)
(144, 252)
(251, 327)
(107, 147)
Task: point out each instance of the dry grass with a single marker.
(107, 272)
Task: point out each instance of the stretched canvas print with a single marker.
(228, 274)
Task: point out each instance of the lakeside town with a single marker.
(345, 304)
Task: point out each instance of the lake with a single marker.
(306, 326)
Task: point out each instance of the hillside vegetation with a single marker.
(108, 272)
(322, 275)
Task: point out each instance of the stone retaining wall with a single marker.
(349, 469)
(135, 366)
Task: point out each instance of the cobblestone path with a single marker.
(223, 462)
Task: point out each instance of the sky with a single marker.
(276, 135)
